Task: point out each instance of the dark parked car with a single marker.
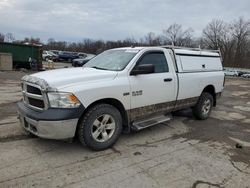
(67, 56)
(81, 61)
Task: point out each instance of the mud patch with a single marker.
(220, 135)
(9, 120)
(243, 108)
(137, 153)
(10, 91)
(243, 143)
(247, 121)
(223, 115)
(15, 138)
(240, 93)
(209, 184)
(245, 86)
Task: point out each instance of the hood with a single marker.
(61, 78)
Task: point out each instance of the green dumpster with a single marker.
(21, 53)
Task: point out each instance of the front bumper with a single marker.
(51, 123)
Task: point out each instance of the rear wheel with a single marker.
(100, 127)
(204, 106)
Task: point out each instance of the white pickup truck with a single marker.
(119, 90)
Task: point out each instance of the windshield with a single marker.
(114, 60)
(51, 53)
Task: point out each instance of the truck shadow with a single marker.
(184, 113)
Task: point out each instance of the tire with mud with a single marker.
(100, 127)
(204, 106)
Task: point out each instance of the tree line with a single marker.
(232, 38)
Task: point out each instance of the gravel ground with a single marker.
(181, 153)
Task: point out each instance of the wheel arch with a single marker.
(211, 90)
(117, 104)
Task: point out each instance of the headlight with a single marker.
(63, 100)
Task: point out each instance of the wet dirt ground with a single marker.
(181, 153)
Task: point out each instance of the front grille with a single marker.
(34, 90)
(36, 102)
(33, 96)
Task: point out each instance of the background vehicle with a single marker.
(48, 55)
(67, 56)
(240, 73)
(245, 75)
(82, 55)
(81, 61)
(231, 73)
(55, 51)
(119, 90)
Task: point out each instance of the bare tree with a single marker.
(241, 34)
(213, 34)
(217, 35)
(31, 40)
(176, 36)
(2, 37)
(232, 39)
(151, 39)
(9, 37)
(51, 44)
(130, 42)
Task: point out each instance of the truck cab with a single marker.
(119, 90)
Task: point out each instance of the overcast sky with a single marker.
(74, 20)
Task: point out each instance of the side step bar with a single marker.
(139, 125)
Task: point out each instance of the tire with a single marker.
(204, 106)
(100, 127)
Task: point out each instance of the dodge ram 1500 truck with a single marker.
(119, 90)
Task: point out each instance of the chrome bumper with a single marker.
(49, 129)
(53, 123)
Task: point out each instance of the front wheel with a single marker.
(100, 127)
(204, 106)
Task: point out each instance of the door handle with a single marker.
(168, 79)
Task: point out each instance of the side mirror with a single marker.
(143, 69)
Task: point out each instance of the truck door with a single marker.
(153, 93)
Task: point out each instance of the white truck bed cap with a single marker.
(196, 52)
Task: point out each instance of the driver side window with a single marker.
(157, 59)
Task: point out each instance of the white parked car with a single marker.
(48, 55)
(231, 73)
(246, 75)
(119, 90)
